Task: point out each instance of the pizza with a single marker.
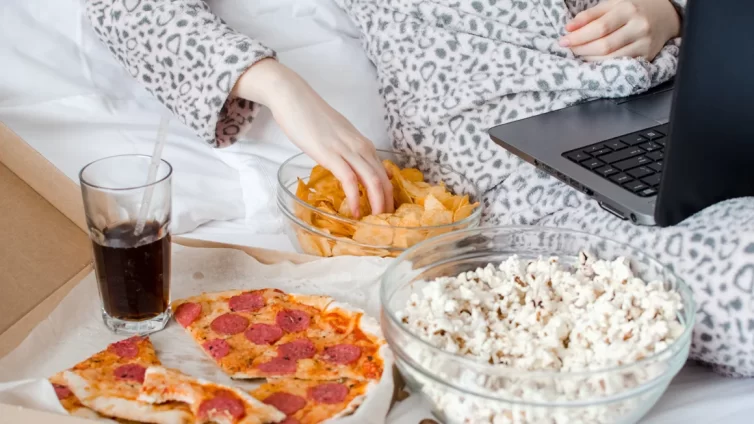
(72, 404)
(313, 401)
(270, 333)
(109, 383)
(209, 402)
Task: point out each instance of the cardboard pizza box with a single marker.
(45, 250)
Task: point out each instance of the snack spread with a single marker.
(418, 204)
(321, 358)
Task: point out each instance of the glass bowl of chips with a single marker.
(430, 199)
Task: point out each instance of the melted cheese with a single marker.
(314, 412)
(329, 325)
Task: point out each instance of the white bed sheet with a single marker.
(62, 92)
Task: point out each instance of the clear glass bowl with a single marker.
(463, 390)
(314, 241)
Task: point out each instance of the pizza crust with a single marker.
(372, 385)
(119, 407)
(165, 385)
(367, 324)
(319, 302)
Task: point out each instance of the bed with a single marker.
(62, 92)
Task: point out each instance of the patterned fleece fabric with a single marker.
(449, 70)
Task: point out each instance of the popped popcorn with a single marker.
(540, 315)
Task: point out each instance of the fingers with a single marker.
(347, 177)
(609, 44)
(635, 49)
(595, 30)
(387, 186)
(370, 179)
(589, 15)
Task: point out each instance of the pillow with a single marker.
(63, 92)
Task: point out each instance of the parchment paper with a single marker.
(74, 330)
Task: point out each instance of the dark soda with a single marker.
(133, 273)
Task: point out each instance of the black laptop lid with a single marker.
(710, 156)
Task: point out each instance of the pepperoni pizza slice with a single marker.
(109, 383)
(209, 402)
(339, 343)
(313, 401)
(72, 404)
(269, 333)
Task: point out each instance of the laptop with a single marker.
(659, 157)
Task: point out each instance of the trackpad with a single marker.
(655, 106)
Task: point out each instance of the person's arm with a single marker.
(214, 79)
(185, 56)
(623, 28)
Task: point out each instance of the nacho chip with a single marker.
(418, 204)
(412, 174)
(431, 203)
(374, 231)
(343, 248)
(464, 212)
(308, 243)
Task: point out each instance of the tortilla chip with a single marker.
(436, 217)
(412, 174)
(417, 204)
(374, 231)
(464, 212)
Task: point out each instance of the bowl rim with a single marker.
(475, 214)
(688, 311)
(312, 229)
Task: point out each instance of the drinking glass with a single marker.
(132, 267)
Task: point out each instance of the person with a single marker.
(244, 74)
(214, 79)
(458, 68)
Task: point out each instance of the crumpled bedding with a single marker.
(450, 70)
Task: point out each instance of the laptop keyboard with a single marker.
(632, 161)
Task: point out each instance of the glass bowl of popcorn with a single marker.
(535, 325)
(430, 199)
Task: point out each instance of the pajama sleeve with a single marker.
(185, 56)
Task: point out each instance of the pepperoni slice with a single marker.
(264, 334)
(278, 366)
(297, 349)
(286, 403)
(290, 420)
(63, 392)
(292, 320)
(126, 349)
(217, 348)
(229, 324)
(246, 302)
(132, 372)
(187, 313)
(343, 354)
(328, 393)
(225, 404)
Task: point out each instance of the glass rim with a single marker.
(688, 312)
(475, 214)
(84, 182)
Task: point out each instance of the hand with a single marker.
(622, 28)
(320, 131)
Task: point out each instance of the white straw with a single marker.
(153, 167)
